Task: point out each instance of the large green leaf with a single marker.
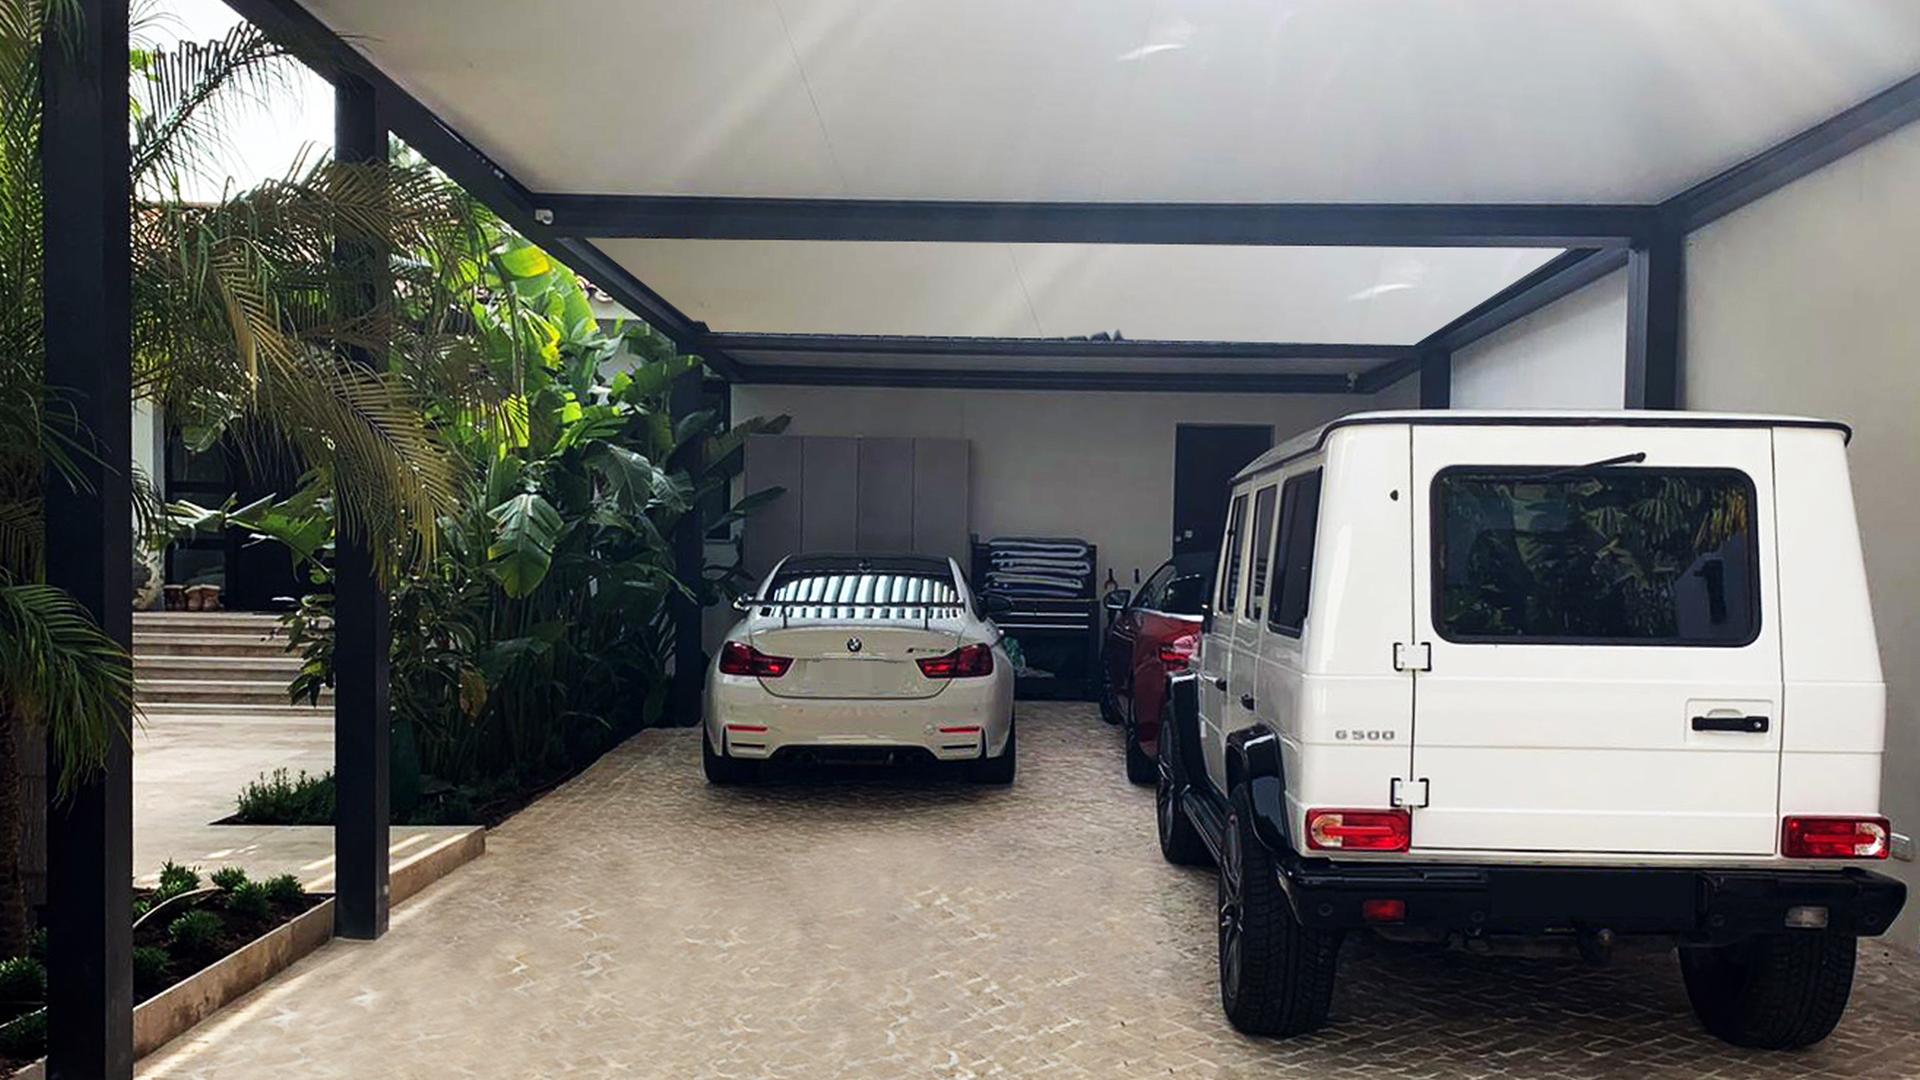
(525, 262)
(526, 528)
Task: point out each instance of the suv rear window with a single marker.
(1639, 556)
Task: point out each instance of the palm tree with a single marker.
(238, 324)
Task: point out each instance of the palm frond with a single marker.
(186, 98)
(62, 672)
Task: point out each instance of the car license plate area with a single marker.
(1622, 900)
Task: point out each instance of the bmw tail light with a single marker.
(1835, 838)
(739, 658)
(1176, 653)
(967, 662)
(1359, 830)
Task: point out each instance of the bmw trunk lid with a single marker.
(857, 635)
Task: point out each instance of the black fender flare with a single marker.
(1181, 722)
(1254, 759)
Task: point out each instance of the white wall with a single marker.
(1095, 465)
(1807, 301)
(1571, 354)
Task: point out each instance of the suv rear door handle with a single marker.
(1753, 724)
(1246, 701)
(1220, 682)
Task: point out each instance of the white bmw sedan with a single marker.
(861, 657)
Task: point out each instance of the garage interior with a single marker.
(1062, 235)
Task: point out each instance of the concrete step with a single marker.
(206, 622)
(213, 691)
(280, 709)
(198, 644)
(205, 666)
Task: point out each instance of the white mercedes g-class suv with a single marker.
(1491, 679)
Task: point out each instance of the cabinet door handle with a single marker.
(1246, 701)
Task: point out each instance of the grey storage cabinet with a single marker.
(858, 494)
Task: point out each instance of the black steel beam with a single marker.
(1047, 348)
(689, 559)
(87, 307)
(1436, 380)
(1555, 279)
(1654, 283)
(1775, 168)
(296, 29)
(362, 634)
(972, 379)
(1364, 224)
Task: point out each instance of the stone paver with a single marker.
(637, 923)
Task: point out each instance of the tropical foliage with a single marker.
(538, 632)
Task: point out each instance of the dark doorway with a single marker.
(253, 575)
(1205, 457)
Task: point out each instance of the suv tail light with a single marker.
(739, 658)
(1834, 838)
(966, 662)
(1359, 830)
(1177, 653)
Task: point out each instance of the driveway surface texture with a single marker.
(637, 923)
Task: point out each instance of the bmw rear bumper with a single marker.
(966, 720)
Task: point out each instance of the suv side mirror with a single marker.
(1116, 600)
(743, 603)
(994, 603)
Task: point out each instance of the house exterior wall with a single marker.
(1804, 302)
(1070, 463)
(1571, 354)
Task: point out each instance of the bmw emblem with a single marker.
(853, 644)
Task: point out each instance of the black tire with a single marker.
(1000, 768)
(1276, 976)
(1180, 840)
(721, 769)
(1774, 992)
(1141, 769)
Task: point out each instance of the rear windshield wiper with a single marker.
(1634, 458)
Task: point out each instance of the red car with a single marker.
(1149, 636)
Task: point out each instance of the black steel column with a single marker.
(1436, 379)
(87, 306)
(689, 660)
(362, 725)
(1654, 279)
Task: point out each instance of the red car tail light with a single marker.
(1177, 653)
(739, 658)
(1359, 830)
(967, 662)
(1834, 838)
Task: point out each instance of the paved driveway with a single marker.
(639, 924)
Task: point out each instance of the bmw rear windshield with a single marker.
(1616, 556)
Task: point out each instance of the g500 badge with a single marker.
(1364, 734)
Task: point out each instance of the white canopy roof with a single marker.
(1160, 101)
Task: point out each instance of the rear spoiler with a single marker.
(748, 604)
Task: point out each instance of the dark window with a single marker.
(1623, 556)
(1185, 595)
(1230, 576)
(1148, 597)
(1293, 552)
(1262, 542)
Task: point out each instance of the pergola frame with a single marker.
(87, 212)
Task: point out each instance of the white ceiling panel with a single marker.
(1389, 296)
(1163, 100)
